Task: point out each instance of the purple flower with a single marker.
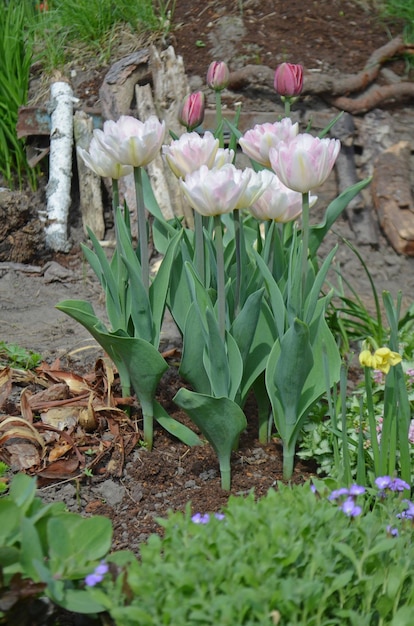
(338, 493)
(199, 518)
(391, 530)
(383, 482)
(97, 575)
(313, 489)
(397, 484)
(350, 508)
(408, 513)
(356, 490)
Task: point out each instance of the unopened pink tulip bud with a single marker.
(288, 79)
(218, 75)
(191, 113)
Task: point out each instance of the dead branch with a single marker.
(336, 89)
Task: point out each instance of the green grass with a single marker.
(16, 58)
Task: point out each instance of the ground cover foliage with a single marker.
(339, 559)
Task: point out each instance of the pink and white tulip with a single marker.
(257, 142)
(103, 163)
(131, 141)
(278, 202)
(215, 191)
(304, 162)
(191, 113)
(288, 79)
(218, 75)
(257, 183)
(188, 153)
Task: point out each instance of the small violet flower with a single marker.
(391, 530)
(200, 518)
(97, 575)
(350, 508)
(392, 484)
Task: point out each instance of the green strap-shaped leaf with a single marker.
(174, 427)
(333, 211)
(220, 420)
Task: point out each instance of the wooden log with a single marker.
(391, 193)
(118, 88)
(357, 212)
(155, 169)
(90, 190)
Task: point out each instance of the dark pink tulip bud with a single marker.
(289, 79)
(218, 75)
(191, 113)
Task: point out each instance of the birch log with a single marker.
(60, 168)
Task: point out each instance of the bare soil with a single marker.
(332, 35)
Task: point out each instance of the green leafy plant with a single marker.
(46, 551)
(15, 356)
(16, 55)
(136, 318)
(324, 566)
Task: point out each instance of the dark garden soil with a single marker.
(134, 486)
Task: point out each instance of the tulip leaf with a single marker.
(317, 233)
(174, 427)
(220, 420)
(192, 368)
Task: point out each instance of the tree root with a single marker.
(336, 90)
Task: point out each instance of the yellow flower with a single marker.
(382, 359)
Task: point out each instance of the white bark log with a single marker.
(60, 168)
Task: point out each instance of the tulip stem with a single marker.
(305, 242)
(115, 195)
(219, 119)
(239, 265)
(199, 245)
(221, 300)
(142, 228)
(287, 101)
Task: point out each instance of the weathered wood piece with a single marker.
(156, 170)
(118, 88)
(357, 212)
(392, 196)
(170, 86)
(90, 192)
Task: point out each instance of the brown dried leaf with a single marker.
(61, 417)
(87, 418)
(57, 391)
(77, 384)
(59, 470)
(58, 451)
(5, 384)
(25, 408)
(21, 454)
